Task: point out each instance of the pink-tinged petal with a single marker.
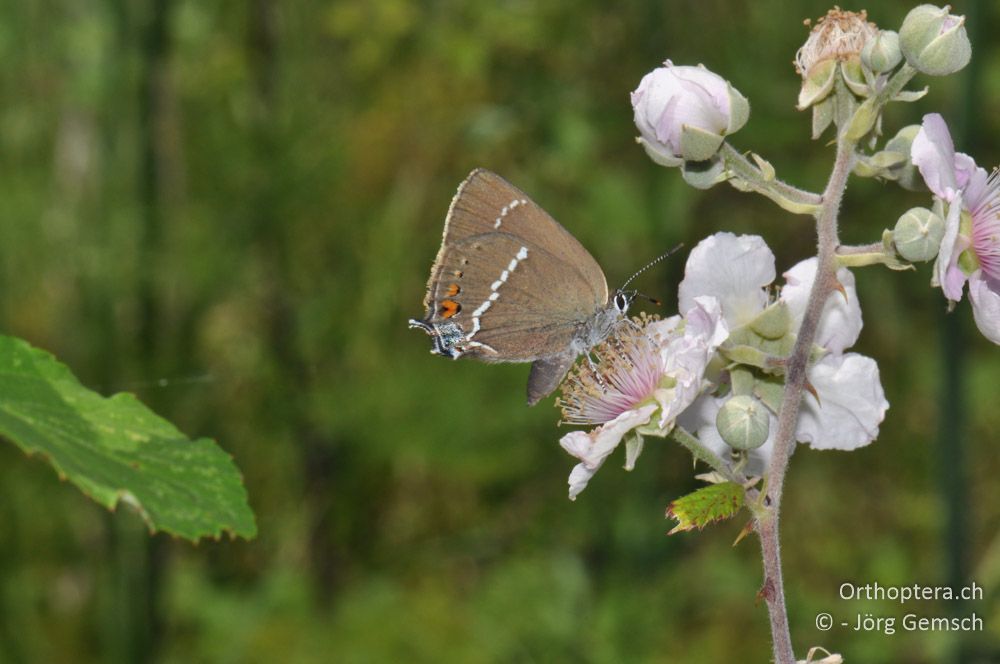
(735, 270)
(841, 323)
(986, 225)
(933, 153)
(711, 86)
(593, 447)
(705, 321)
(947, 274)
(966, 172)
(667, 126)
(699, 419)
(985, 307)
(686, 357)
(699, 108)
(851, 404)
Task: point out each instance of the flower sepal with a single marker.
(704, 174)
(861, 83)
(772, 323)
(749, 356)
(699, 144)
(817, 84)
(879, 165)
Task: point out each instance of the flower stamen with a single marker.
(986, 228)
(627, 371)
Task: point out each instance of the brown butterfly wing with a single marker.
(510, 275)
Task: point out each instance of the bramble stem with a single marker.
(860, 249)
(747, 176)
(700, 451)
(795, 380)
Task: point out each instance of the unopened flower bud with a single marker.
(933, 41)
(905, 173)
(743, 422)
(918, 234)
(882, 53)
(685, 113)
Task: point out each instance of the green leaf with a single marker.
(116, 449)
(706, 505)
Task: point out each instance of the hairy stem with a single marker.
(795, 381)
(701, 452)
(747, 176)
(860, 249)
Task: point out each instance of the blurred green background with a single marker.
(230, 209)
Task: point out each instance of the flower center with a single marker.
(627, 370)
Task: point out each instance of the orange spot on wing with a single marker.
(453, 290)
(449, 308)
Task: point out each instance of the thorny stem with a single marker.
(795, 379)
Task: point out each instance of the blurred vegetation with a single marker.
(230, 208)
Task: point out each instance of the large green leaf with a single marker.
(116, 449)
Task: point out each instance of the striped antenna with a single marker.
(651, 264)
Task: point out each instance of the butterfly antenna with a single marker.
(649, 265)
(656, 301)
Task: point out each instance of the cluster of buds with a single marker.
(847, 60)
(717, 370)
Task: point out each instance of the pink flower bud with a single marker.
(684, 113)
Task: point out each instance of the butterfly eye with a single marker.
(622, 302)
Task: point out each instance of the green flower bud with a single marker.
(918, 234)
(743, 422)
(933, 41)
(904, 172)
(882, 53)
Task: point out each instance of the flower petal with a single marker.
(593, 447)
(734, 269)
(947, 274)
(966, 172)
(579, 477)
(851, 404)
(686, 356)
(985, 307)
(840, 325)
(933, 152)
